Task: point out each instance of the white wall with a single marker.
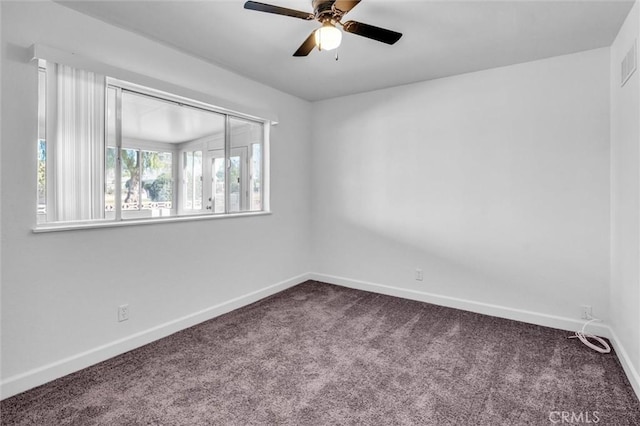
(625, 197)
(60, 291)
(495, 183)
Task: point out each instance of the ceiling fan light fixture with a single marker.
(328, 37)
(329, 13)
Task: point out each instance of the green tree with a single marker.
(150, 161)
(129, 161)
(160, 189)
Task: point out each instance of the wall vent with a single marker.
(629, 63)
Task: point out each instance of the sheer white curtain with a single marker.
(79, 143)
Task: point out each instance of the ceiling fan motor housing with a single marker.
(323, 10)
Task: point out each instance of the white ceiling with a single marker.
(440, 38)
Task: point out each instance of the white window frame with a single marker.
(178, 214)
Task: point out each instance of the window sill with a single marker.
(135, 222)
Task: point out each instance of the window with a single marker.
(111, 151)
(192, 180)
(42, 147)
(146, 182)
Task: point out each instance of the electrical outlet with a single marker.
(123, 313)
(586, 311)
(419, 275)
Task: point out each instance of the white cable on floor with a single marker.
(604, 349)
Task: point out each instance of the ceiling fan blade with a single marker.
(307, 46)
(345, 5)
(372, 32)
(262, 7)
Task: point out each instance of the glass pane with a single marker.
(42, 180)
(110, 182)
(42, 147)
(157, 183)
(218, 184)
(245, 172)
(192, 172)
(235, 194)
(111, 157)
(130, 180)
(187, 176)
(255, 186)
(197, 179)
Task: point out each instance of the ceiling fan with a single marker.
(329, 13)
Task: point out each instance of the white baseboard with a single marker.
(41, 375)
(632, 374)
(562, 323)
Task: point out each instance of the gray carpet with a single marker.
(318, 354)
